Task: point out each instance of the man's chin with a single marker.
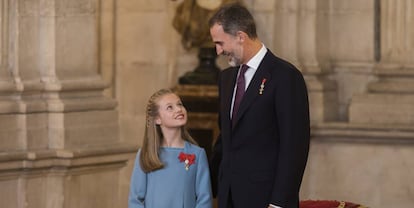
(232, 63)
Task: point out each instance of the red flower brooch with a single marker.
(188, 159)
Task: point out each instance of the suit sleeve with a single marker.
(215, 165)
(203, 184)
(292, 111)
(216, 156)
(138, 186)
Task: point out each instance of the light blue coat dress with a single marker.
(173, 186)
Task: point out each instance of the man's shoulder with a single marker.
(228, 72)
(277, 60)
(280, 65)
(229, 69)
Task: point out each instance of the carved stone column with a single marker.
(306, 44)
(390, 100)
(60, 144)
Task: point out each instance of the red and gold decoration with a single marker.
(188, 159)
(328, 204)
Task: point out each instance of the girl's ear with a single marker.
(158, 120)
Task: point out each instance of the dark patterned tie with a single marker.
(240, 89)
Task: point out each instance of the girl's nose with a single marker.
(179, 108)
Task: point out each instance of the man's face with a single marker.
(227, 45)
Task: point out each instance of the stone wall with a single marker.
(354, 55)
(60, 143)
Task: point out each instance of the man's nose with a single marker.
(219, 50)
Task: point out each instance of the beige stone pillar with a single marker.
(302, 35)
(390, 100)
(60, 141)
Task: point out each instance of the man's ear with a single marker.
(241, 35)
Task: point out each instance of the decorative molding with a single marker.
(13, 164)
(363, 133)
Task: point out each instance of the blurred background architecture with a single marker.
(75, 76)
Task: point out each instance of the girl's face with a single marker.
(171, 112)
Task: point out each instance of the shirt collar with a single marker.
(255, 61)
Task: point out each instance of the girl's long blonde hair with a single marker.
(149, 156)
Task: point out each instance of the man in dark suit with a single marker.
(261, 152)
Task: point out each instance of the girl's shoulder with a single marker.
(193, 148)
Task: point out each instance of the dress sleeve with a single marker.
(138, 186)
(203, 185)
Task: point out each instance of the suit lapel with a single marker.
(253, 89)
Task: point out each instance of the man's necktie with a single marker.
(240, 89)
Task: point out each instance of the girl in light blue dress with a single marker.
(170, 170)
